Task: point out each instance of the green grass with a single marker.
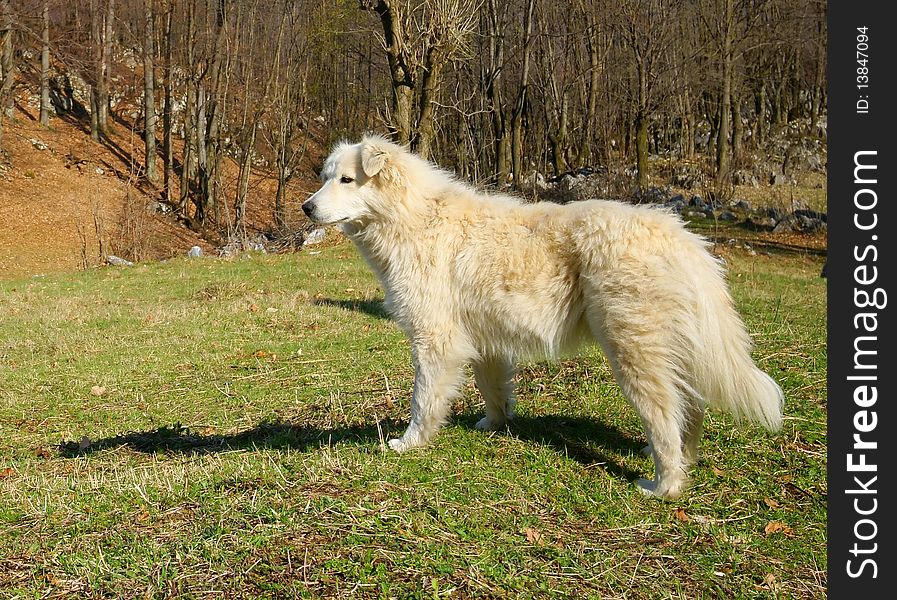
(215, 428)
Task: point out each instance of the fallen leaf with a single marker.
(253, 307)
(770, 503)
(718, 472)
(533, 536)
(770, 580)
(7, 472)
(98, 390)
(680, 515)
(42, 453)
(777, 527)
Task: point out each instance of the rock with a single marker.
(776, 214)
(728, 215)
(742, 205)
(800, 224)
(811, 214)
(118, 262)
(652, 195)
(688, 177)
(39, 145)
(316, 236)
(535, 181)
(676, 204)
(195, 252)
(697, 202)
(745, 178)
(762, 222)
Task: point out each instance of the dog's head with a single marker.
(353, 179)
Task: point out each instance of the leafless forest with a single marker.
(497, 90)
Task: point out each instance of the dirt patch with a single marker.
(67, 201)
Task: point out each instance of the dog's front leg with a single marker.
(436, 381)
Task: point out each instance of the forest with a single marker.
(497, 91)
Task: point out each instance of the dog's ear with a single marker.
(374, 157)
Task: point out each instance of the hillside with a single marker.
(67, 201)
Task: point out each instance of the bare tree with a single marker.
(420, 39)
(521, 102)
(646, 30)
(149, 94)
(45, 64)
(7, 62)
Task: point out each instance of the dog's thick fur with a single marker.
(488, 280)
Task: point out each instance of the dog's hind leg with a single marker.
(658, 405)
(648, 380)
(436, 382)
(691, 433)
(494, 380)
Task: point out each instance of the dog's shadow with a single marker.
(275, 435)
(373, 308)
(587, 441)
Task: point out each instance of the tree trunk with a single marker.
(191, 110)
(45, 65)
(520, 105)
(819, 75)
(7, 61)
(167, 149)
(589, 125)
(246, 145)
(641, 125)
(402, 72)
(497, 112)
(761, 126)
(723, 166)
(688, 133)
(96, 70)
(559, 140)
(149, 99)
(104, 72)
(737, 129)
(283, 176)
(641, 150)
(426, 125)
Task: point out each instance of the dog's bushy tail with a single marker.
(725, 374)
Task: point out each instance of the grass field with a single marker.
(215, 429)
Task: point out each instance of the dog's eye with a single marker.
(346, 179)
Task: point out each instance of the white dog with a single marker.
(488, 280)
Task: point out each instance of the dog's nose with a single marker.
(307, 208)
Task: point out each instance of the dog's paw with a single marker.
(485, 424)
(397, 445)
(652, 490)
(406, 442)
